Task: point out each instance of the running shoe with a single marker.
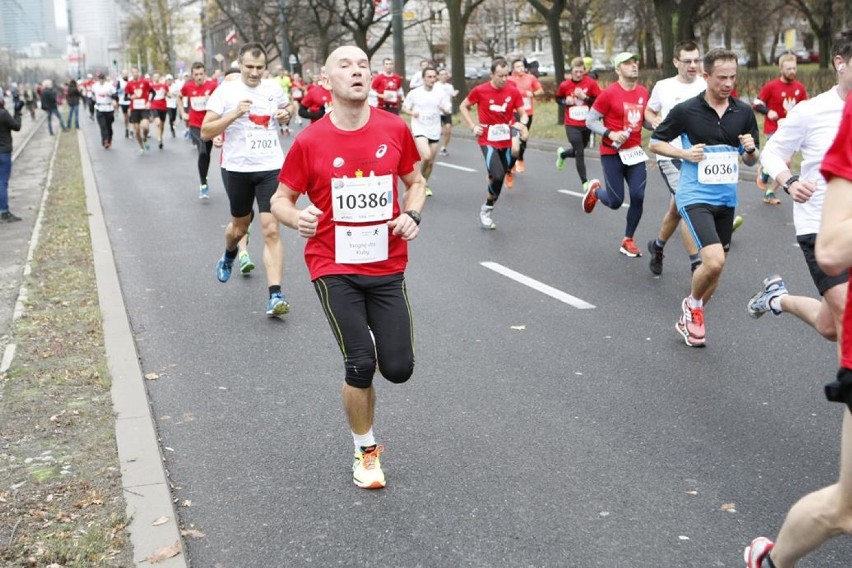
(519, 167)
(485, 219)
(510, 180)
(761, 180)
(691, 324)
(657, 256)
(590, 199)
(761, 303)
(160, 145)
(223, 268)
(9, 217)
(203, 192)
(757, 551)
(277, 305)
(246, 265)
(738, 222)
(560, 161)
(770, 198)
(428, 191)
(629, 248)
(367, 468)
(444, 152)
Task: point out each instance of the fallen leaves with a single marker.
(192, 533)
(164, 553)
(160, 521)
(152, 376)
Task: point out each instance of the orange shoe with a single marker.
(519, 167)
(510, 180)
(590, 198)
(770, 198)
(629, 248)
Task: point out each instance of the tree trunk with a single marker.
(664, 10)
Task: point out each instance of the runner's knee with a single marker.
(398, 370)
(360, 371)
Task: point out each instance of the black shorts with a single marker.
(446, 119)
(709, 224)
(356, 305)
(138, 115)
(244, 188)
(159, 113)
(823, 281)
(430, 140)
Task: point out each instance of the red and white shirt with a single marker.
(390, 86)
(139, 93)
(159, 100)
(622, 109)
(527, 84)
(780, 97)
(198, 95)
(496, 109)
(575, 113)
(351, 176)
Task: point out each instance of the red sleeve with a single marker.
(562, 90)
(765, 92)
(838, 159)
(601, 103)
(294, 172)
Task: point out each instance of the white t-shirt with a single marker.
(670, 92)
(251, 141)
(103, 93)
(810, 128)
(450, 90)
(430, 105)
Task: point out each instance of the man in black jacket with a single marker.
(50, 105)
(8, 123)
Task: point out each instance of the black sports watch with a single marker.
(414, 215)
(790, 181)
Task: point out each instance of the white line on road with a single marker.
(580, 195)
(455, 167)
(539, 286)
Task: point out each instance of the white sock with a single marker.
(775, 304)
(364, 440)
(693, 303)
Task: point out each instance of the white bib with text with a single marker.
(632, 156)
(498, 133)
(362, 199)
(719, 168)
(578, 112)
(361, 244)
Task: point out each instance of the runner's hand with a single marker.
(404, 226)
(308, 221)
(694, 154)
(748, 142)
(243, 107)
(802, 190)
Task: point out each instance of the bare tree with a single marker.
(147, 31)
(459, 13)
(552, 13)
(820, 16)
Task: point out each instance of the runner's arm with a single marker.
(215, 124)
(834, 241)
(283, 206)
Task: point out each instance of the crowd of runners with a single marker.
(358, 223)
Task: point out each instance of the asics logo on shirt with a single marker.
(381, 151)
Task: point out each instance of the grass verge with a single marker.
(61, 500)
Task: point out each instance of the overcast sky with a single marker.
(61, 14)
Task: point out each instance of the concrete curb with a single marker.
(146, 487)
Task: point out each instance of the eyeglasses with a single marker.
(690, 61)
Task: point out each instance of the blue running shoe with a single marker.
(223, 268)
(277, 305)
(203, 192)
(760, 303)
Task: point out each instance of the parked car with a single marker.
(805, 56)
(476, 73)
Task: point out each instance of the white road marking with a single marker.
(455, 167)
(580, 195)
(539, 286)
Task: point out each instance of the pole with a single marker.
(285, 43)
(398, 46)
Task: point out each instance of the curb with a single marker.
(143, 477)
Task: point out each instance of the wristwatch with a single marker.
(414, 215)
(790, 181)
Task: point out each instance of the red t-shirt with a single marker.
(322, 153)
(159, 100)
(621, 110)
(838, 163)
(316, 97)
(198, 95)
(383, 83)
(575, 115)
(496, 107)
(780, 97)
(527, 84)
(297, 90)
(139, 92)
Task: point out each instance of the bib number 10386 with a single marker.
(362, 200)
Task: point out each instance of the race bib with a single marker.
(632, 156)
(360, 245)
(428, 117)
(139, 104)
(198, 103)
(527, 103)
(362, 199)
(719, 168)
(578, 112)
(262, 142)
(391, 96)
(498, 133)
(296, 92)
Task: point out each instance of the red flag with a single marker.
(231, 37)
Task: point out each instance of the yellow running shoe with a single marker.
(367, 469)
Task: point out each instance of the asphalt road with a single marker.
(533, 433)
